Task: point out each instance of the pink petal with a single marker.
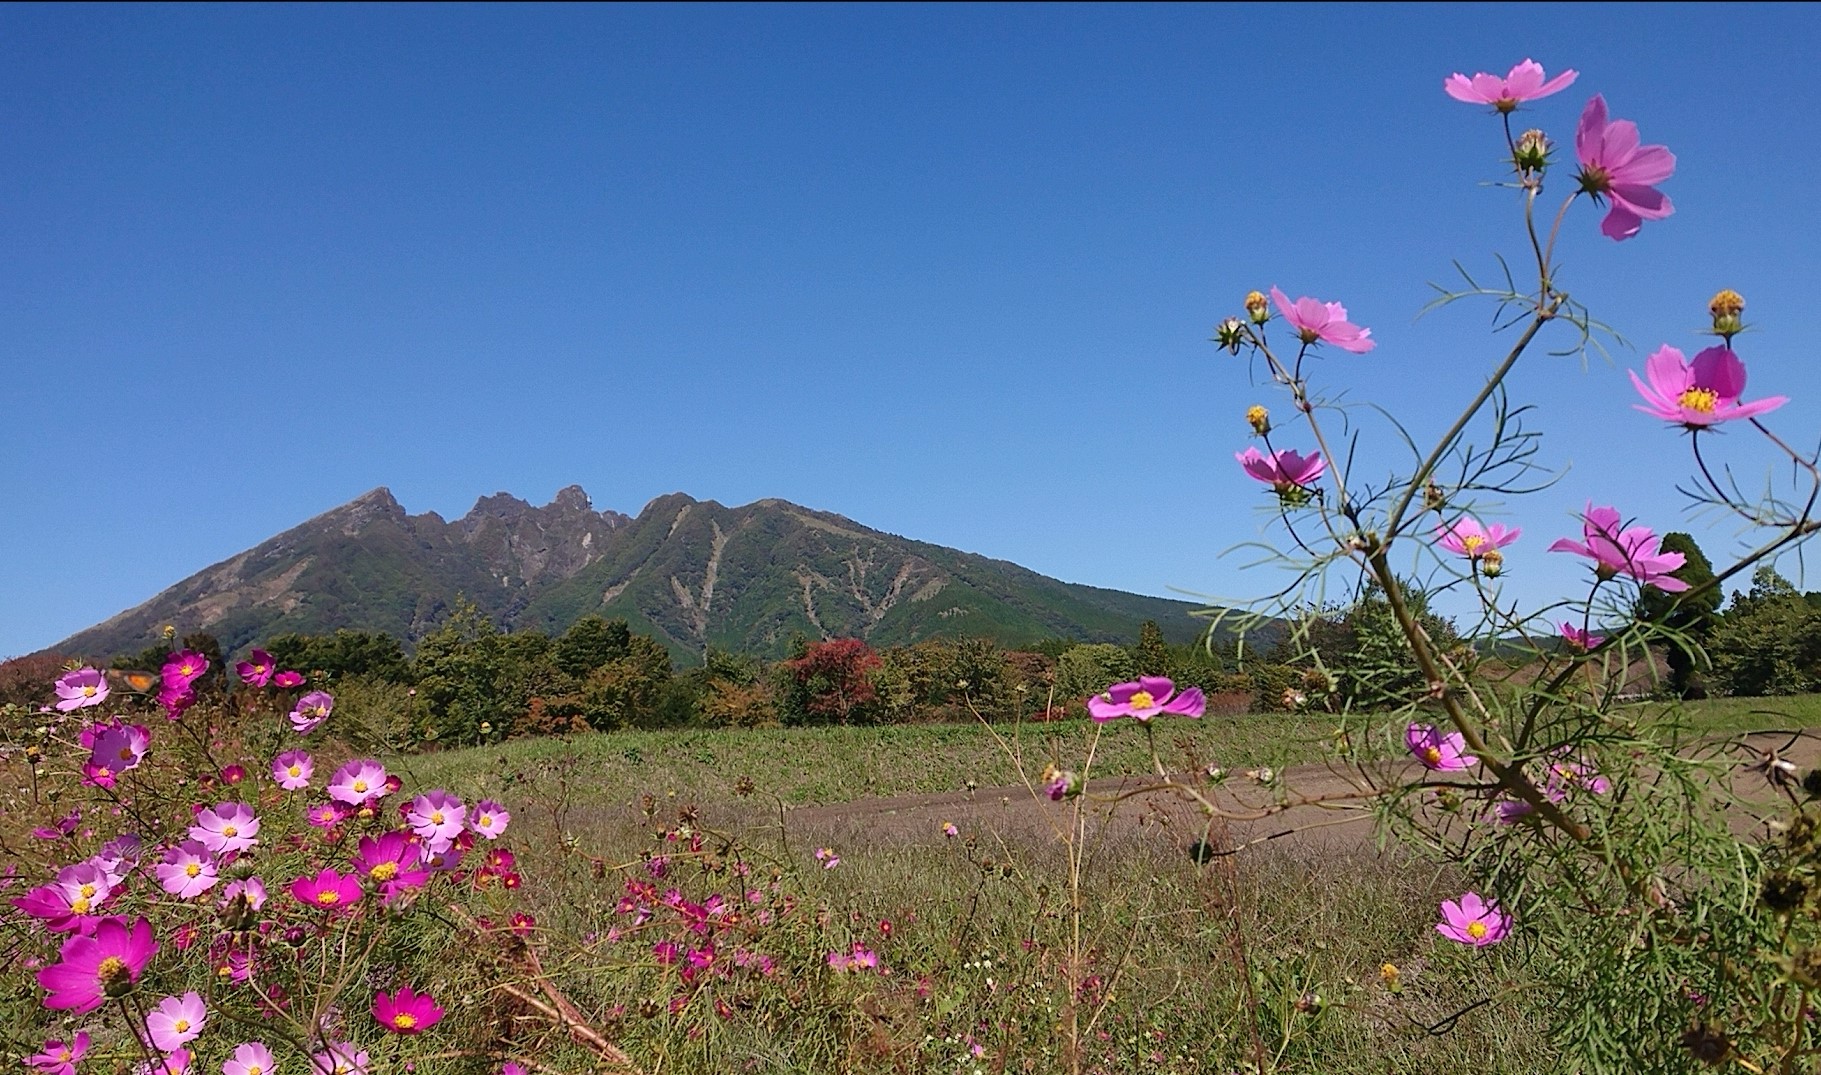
(1620, 224)
(1720, 370)
(1460, 87)
(1556, 84)
(1649, 165)
(1590, 132)
(1618, 143)
(1648, 203)
(1524, 80)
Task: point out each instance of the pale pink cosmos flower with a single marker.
(59, 1057)
(252, 889)
(1580, 639)
(311, 710)
(176, 1021)
(489, 820)
(187, 870)
(1701, 393)
(437, 817)
(292, 770)
(173, 1063)
(1633, 552)
(1284, 471)
(340, 1058)
(1524, 83)
(1615, 167)
(1325, 322)
(250, 1058)
(357, 781)
(1144, 699)
(1443, 753)
(227, 828)
(1468, 538)
(1473, 921)
(827, 857)
(80, 689)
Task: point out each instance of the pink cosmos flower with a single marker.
(117, 748)
(58, 1057)
(250, 1058)
(1468, 538)
(257, 669)
(1580, 639)
(1318, 321)
(827, 857)
(92, 969)
(510, 1068)
(176, 1021)
(949, 830)
(175, 699)
(326, 815)
(1633, 552)
(406, 1012)
(292, 770)
(1524, 83)
(80, 689)
(288, 679)
(1442, 753)
(489, 819)
(392, 862)
(1145, 699)
(312, 709)
(340, 1058)
(184, 669)
(1474, 921)
(174, 1063)
(437, 817)
(1615, 167)
(227, 828)
(233, 774)
(357, 781)
(252, 889)
(1702, 393)
(1284, 471)
(187, 870)
(328, 890)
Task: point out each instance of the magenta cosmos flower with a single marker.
(1580, 639)
(1615, 167)
(1326, 322)
(250, 1058)
(92, 969)
(1283, 471)
(292, 770)
(1468, 538)
(1633, 552)
(405, 1012)
(340, 1058)
(392, 862)
(176, 1021)
(288, 679)
(327, 890)
(59, 1057)
(1443, 753)
(1146, 698)
(117, 748)
(437, 817)
(357, 781)
(80, 689)
(1701, 393)
(187, 870)
(257, 670)
(227, 828)
(1524, 83)
(184, 669)
(1472, 920)
(489, 820)
(312, 709)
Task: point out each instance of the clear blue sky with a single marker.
(949, 271)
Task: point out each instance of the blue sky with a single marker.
(949, 271)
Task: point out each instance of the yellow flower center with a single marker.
(1432, 755)
(486, 821)
(102, 772)
(181, 1025)
(385, 871)
(254, 1069)
(360, 786)
(188, 669)
(230, 831)
(88, 891)
(1699, 399)
(79, 905)
(126, 753)
(110, 970)
(328, 897)
(192, 869)
(1472, 543)
(1143, 700)
(436, 817)
(1476, 930)
(404, 1020)
(88, 690)
(64, 1056)
(295, 770)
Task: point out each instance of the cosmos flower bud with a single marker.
(1258, 308)
(1726, 308)
(1259, 418)
(1531, 153)
(1433, 497)
(1492, 562)
(1230, 335)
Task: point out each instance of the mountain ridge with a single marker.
(694, 574)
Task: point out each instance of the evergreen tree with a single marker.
(1689, 616)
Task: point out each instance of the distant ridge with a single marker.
(693, 574)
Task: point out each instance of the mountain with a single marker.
(692, 574)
